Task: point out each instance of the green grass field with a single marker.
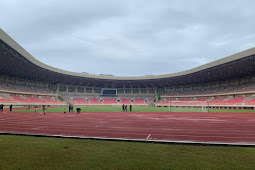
(135, 109)
(23, 152)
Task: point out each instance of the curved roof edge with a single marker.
(12, 43)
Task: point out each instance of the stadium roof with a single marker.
(17, 62)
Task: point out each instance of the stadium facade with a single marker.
(18, 66)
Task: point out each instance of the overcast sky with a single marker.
(129, 37)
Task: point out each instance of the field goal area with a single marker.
(192, 106)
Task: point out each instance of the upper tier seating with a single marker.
(23, 88)
(215, 90)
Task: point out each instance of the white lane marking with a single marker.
(38, 128)
(148, 136)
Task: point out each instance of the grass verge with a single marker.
(135, 109)
(23, 152)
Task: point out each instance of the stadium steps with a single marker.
(88, 101)
(65, 99)
(249, 98)
(23, 97)
(194, 99)
(210, 99)
(74, 101)
(151, 104)
(101, 102)
(95, 99)
(8, 96)
(228, 98)
(40, 97)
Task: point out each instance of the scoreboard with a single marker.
(109, 92)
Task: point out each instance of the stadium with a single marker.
(225, 83)
(210, 104)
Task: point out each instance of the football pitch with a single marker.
(136, 109)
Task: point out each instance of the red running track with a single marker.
(232, 128)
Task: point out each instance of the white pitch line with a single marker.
(148, 136)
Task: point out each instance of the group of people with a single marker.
(124, 108)
(44, 109)
(2, 108)
(71, 109)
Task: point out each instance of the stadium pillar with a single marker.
(57, 88)
(75, 89)
(93, 90)
(156, 98)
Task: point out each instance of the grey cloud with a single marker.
(130, 37)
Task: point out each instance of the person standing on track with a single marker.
(2, 108)
(130, 108)
(35, 109)
(65, 110)
(123, 107)
(44, 110)
(11, 108)
(70, 107)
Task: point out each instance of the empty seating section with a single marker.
(182, 101)
(7, 99)
(234, 101)
(138, 101)
(204, 99)
(34, 99)
(250, 102)
(23, 88)
(80, 101)
(93, 100)
(125, 101)
(109, 100)
(217, 101)
(215, 90)
(52, 100)
(20, 94)
(148, 101)
(20, 99)
(166, 102)
(28, 99)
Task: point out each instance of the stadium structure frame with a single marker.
(17, 62)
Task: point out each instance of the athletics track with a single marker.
(208, 128)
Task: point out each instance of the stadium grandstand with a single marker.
(226, 83)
